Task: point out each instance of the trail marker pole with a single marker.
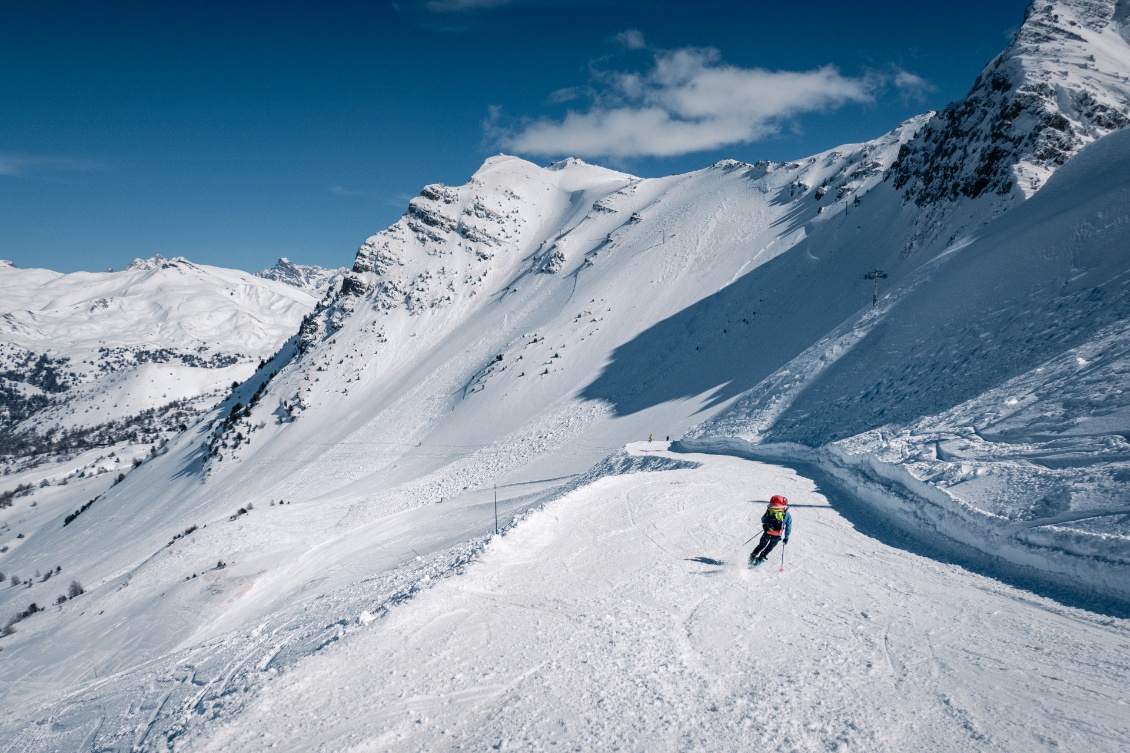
(496, 509)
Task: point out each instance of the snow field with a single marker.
(69, 482)
(622, 617)
(517, 330)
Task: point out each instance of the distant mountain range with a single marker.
(93, 359)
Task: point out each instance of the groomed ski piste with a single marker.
(618, 613)
(624, 617)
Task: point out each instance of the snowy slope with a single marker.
(98, 370)
(518, 331)
(623, 619)
(1005, 406)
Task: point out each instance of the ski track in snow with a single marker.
(596, 624)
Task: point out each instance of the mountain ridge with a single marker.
(1064, 72)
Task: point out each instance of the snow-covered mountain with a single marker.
(97, 361)
(508, 337)
(1060, 85)
(313, 279)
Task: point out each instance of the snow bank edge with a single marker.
(928, 514)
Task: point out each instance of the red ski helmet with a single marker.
(778, 501)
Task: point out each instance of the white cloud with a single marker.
(463, 6)
(567, 95)
(28, 165)
(912, 85)
(343, 191)
(688, 101)
(632, 39)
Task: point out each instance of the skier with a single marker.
(776, 524)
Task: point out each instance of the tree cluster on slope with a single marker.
(74, 590)
(118, 359)
(7, 496)
(147, 426)
(229, 433)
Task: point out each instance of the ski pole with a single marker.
(783, 545)
(751, 538)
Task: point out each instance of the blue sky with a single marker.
(235, 133)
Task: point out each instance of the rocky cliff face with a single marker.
(453, 238)
(1060, 85)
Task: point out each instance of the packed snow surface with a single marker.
(622, 616)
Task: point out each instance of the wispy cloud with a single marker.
(687, 101)
(463, 6)
(911, 85)
(450, 6)
(17, 165)
(470, 16)
(632, 39)
(343, 191)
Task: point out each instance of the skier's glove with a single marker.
(784, 541)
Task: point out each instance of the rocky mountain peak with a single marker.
(313, 279)
(1063, 82)
(143, 265)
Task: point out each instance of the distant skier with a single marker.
(776, 525)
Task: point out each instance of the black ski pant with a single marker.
(761, 551)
